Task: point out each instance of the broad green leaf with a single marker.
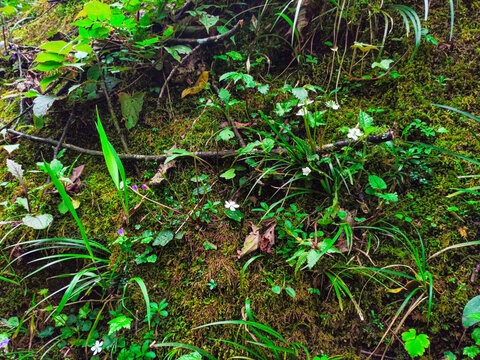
(415, 345)
(22, 201)
(38, 222)
(229, 174)
(84, 48)
(476, 336)
(120, 322)
(377, 182)
(8, 10)
(364, 119)
(312, 257)
(472, 307)
(389, 197)
(208, 21)
(48, 66)
(48, 80)
(263, 89)
(45, 56)
(384, 64)
(60, 320)
(300, 93)
(59, 47)
(224, 95)
(84, 311)
(276, 289)
(235, 55)
(96, 10)
(15, 169)
(131, 107)
(163, 238)
(448, 355)
(42, 103)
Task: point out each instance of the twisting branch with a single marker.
(372, 139)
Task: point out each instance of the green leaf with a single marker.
(84, 311)
(290, 291)
(48, 66)
(448, 355)
(38, 222)
(192, 356)
(471, 351)
(300, 93)
(163, 238)
(224, 95)
(58, 47)
(84, 48)
(47, 81)
(415, 345)
(60, 320)
(312, 257)
(45, 56)
(384, 64)
(225, 134)
(364, 119)
(8, 10)
(48, 331)
(472, 307)
(131, 107)
(389, 197)
(229, 174)
(97, 11)
(276, 289)
(120, 322)
(476, 336)
(235, 55)
(208, 21)
(377, 182)
(263, 89)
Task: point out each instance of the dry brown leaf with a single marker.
(162, 170)
(199, 85)
(252, 241)
(463, 232)
(74, 186)
(268, 239)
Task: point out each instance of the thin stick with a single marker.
(64, 134)
(6, 126)
(210, 39)
(372, 139)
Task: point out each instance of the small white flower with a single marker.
(305, 102)
(306, 171)
(332, 105)
(334, 49)
(232, 205)
(354, 134)
(97, 348)
(302, 112)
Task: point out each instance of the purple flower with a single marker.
(4, 344)
(144, 187)
(120, 231)
(134, 187)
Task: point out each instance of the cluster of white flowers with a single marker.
(354, 134)
(332, 105)
(303, 107)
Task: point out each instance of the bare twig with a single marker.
(373, 139)
(210, 39)
(64, 134)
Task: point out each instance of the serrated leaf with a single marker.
(377, 182)
(15, 169)
(131, 106)
(471, 351)
(229, 174)
(163, 238)
(84, 311)
(120, 322)
(225, 134)
(60, 320)
(11, 148)
(38, 222)
(415, 345)
(300, 93)
(263, 89)
(200, 84)
(448, 355)
(312, 257)
(389, 197)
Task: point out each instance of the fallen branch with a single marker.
(372, 139)
(210, 39)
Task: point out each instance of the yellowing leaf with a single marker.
(199, 85)
(81, 14)
(395, 291)
(252, 241)
(364, 47)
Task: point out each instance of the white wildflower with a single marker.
(305, 102)
(232, 205)
(302, 112)
(306, 171)
(97, 348)
(354, 134)
(332, 105)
